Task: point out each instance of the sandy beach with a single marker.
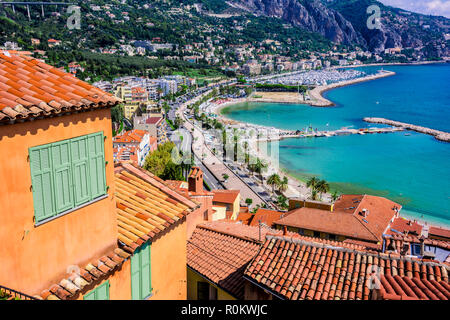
(296, 188)
(281, 97)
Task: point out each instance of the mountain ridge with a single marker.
(345, 22)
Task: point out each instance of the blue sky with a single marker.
(433, 7)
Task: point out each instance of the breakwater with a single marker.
(439, 135)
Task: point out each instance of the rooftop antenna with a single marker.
(259, 227)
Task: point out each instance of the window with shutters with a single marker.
(141, 283)
(99, 293)
(67, 174)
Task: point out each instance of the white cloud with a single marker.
(433, 7)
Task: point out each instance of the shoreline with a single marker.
(298, 185)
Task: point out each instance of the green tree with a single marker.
(322, 187)
(311, 183)
(274, 181)
(284, 184)
(161, 162)
(282, 202)
(258, 167)
(335, 196)
(248, 201)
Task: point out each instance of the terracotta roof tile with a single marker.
(347, 218)
(145, 205)
(30, 88)
(293, 268)
(220, 251)
(440, 232)
(79, 279)
(225, 196)
(268, 217)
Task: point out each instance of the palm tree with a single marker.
(314, 194)
(311, 183)
(322, 187)
(260, 167)
(274, 181)
(284, 184)
(335, 196)
(246, 155)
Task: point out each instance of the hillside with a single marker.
(345, 22)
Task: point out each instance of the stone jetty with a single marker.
(439, 135)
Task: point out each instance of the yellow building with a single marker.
(226, 204)
(129, 109)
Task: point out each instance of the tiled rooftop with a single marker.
(92, 273)
(220, 251)
(397, 243)
(296, 269)
(225, 196)
(403, 225)
(266, 216)
(440, 232)
(146, 206)
(347, 218)
(153, 120)
(131, 136)
(30, 88)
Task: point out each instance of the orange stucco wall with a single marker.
(33, 258)
(197, 216)
(168, 259)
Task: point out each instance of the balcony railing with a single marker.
(11, 294)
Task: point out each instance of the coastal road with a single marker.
(185, 145)
(215, 165)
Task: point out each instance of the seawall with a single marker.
(439, 135)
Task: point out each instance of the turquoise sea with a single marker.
(412, 169)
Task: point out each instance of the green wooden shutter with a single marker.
(80, 163)
(136, 276)
(99, 293)
(62, 176)
(89, 296)
(145, 271)
(103, 291)
(141, 273)
(97, 165)
(42, 182)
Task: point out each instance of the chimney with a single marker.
(284, 230)
(364, 213)
(195, 180)
(422, 245)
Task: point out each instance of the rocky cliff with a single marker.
(346, 22)
(311, 15)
